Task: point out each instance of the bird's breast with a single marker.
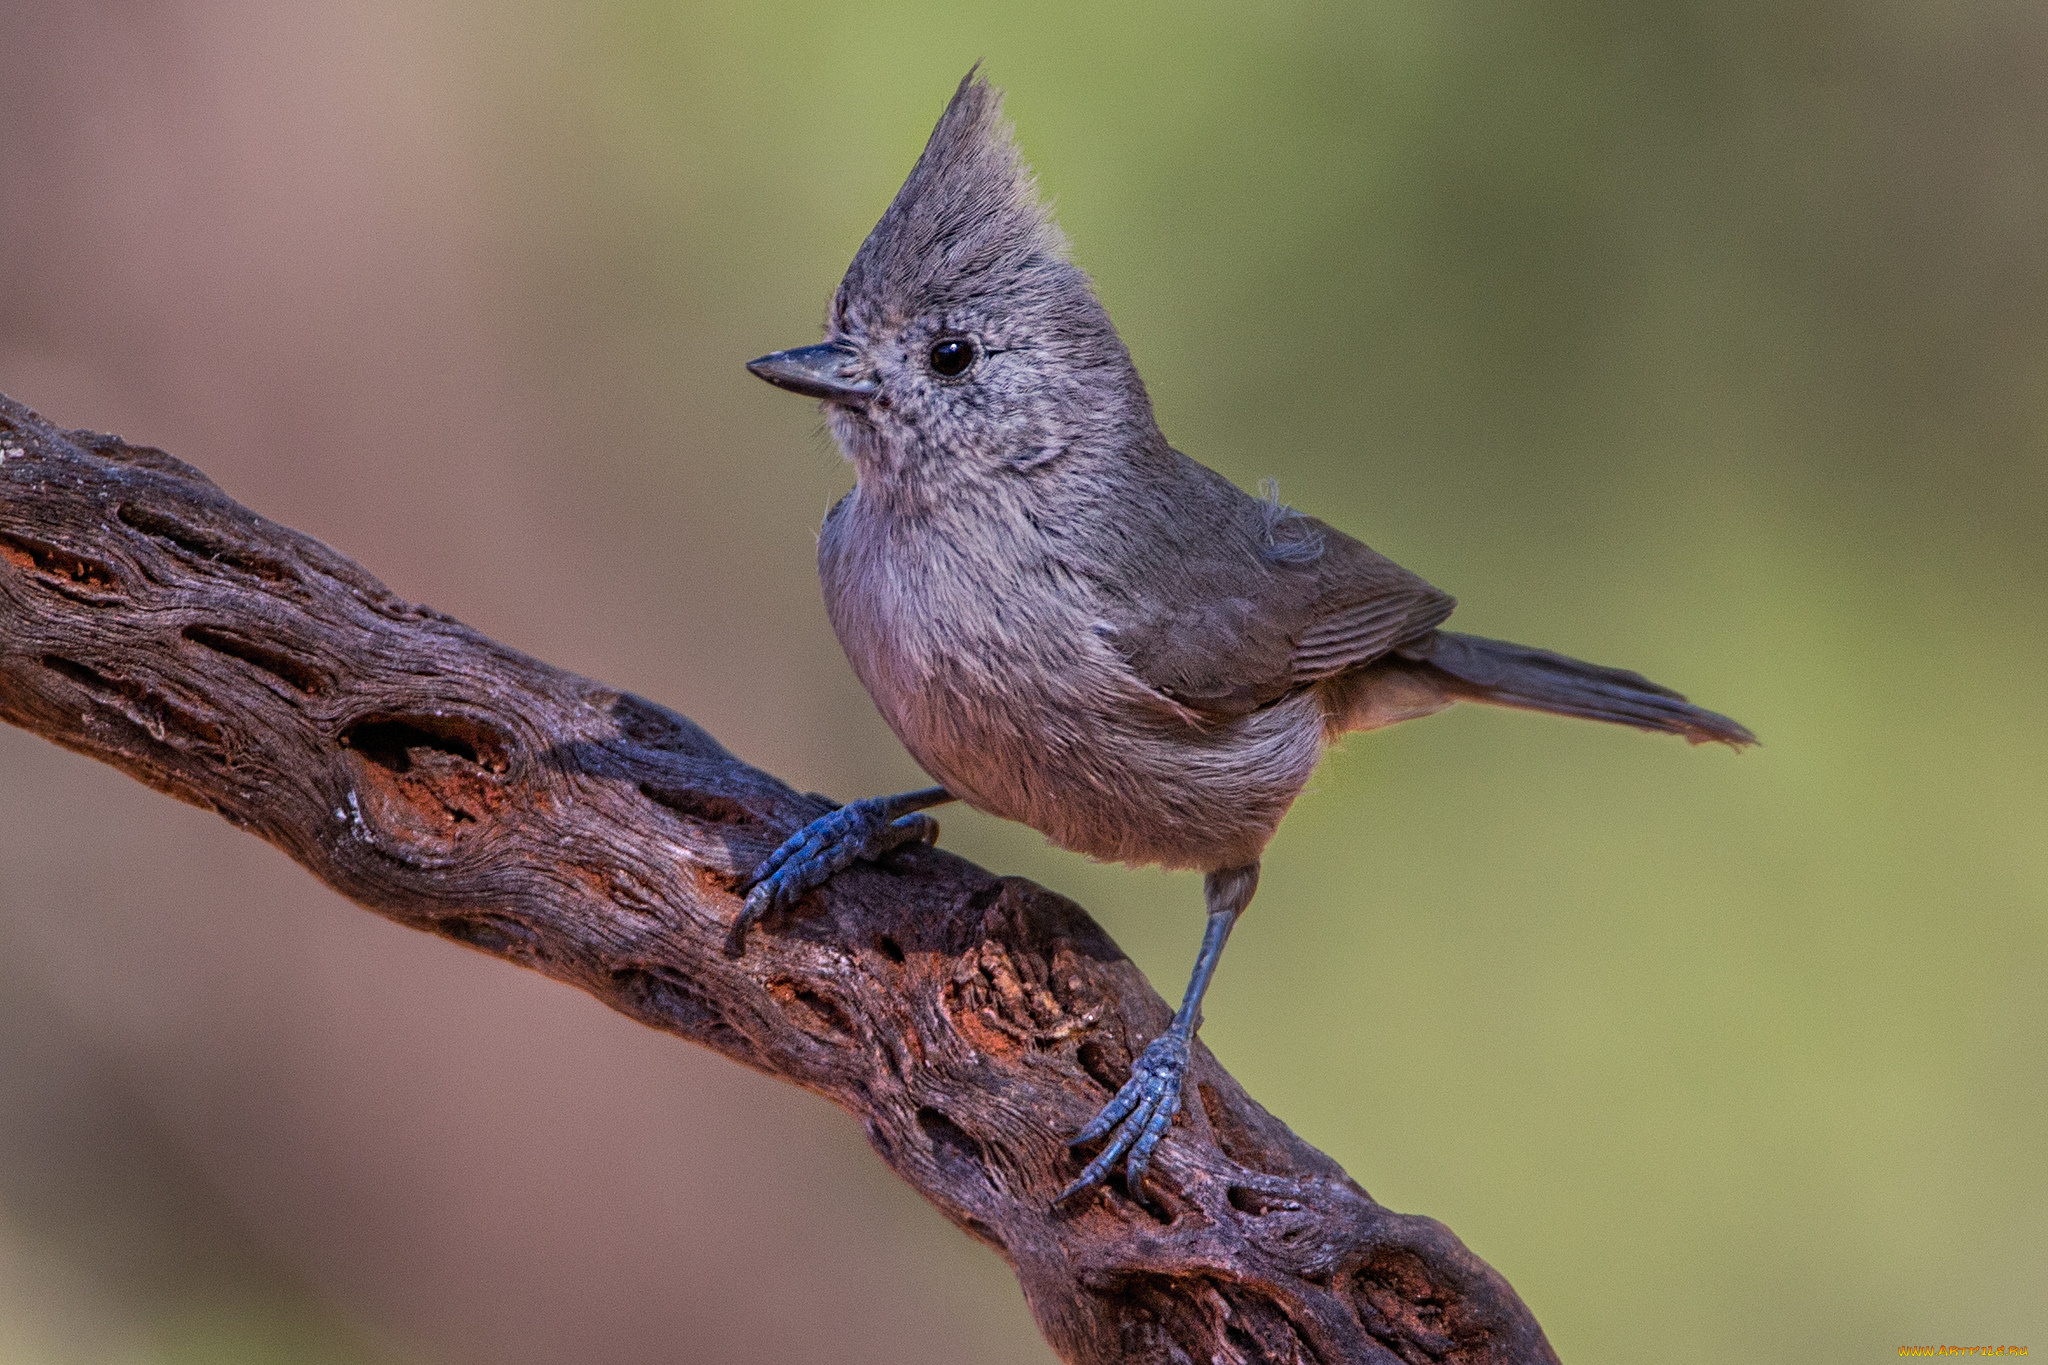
(987, 665)
(968, 651)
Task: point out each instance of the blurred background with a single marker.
(1705, 339)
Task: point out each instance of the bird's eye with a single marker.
(951, 356)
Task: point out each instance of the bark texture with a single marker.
(969, 1021)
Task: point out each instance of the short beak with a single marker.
(819, 371)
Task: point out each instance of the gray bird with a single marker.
(1070, 623)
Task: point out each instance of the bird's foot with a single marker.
(858, 831)
(1137, 1119)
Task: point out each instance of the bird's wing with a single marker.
(1369, 605)
(1256, 601)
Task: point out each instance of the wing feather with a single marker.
(1219, 625)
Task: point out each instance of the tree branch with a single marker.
(971, 1022)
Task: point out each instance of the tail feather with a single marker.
(1504, 674)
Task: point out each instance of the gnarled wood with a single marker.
(434, 776)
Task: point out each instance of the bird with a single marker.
(1071, 624)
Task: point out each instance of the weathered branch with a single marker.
(970, 1021)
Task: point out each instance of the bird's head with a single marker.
(962, 345)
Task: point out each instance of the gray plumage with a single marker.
(1068, 622)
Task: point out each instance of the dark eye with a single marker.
(951, 356)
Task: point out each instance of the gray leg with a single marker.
(859, 830)
(1142, 1112)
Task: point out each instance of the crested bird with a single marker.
(1071, 624)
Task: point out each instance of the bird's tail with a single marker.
(1470, 668)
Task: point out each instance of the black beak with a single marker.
(818, 371)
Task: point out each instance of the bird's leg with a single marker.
(859, 830)
(1138, 1118)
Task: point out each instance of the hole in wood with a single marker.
(491, 933)
(1258, 1203)
(293, 672)
(204, 544)
(1096, 1061)
(704, 807)
(957, 1155)
(401, 743)
(52, 561)
(156, 716)
(86, 676)
(813, 1011)
(424, 779)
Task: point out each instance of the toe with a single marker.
(776, 861)
(1126, 1100)
(1104, 1162)
(1157, 1123)
(755, 906)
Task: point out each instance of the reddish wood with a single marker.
(970, 1021)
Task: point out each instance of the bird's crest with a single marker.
(967, 219)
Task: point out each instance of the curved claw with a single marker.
(1137, 1119)
(760, 900)
(859, 830)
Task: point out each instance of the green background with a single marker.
(1709, 340)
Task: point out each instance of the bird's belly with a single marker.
(994, 677)
(1105, 771)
